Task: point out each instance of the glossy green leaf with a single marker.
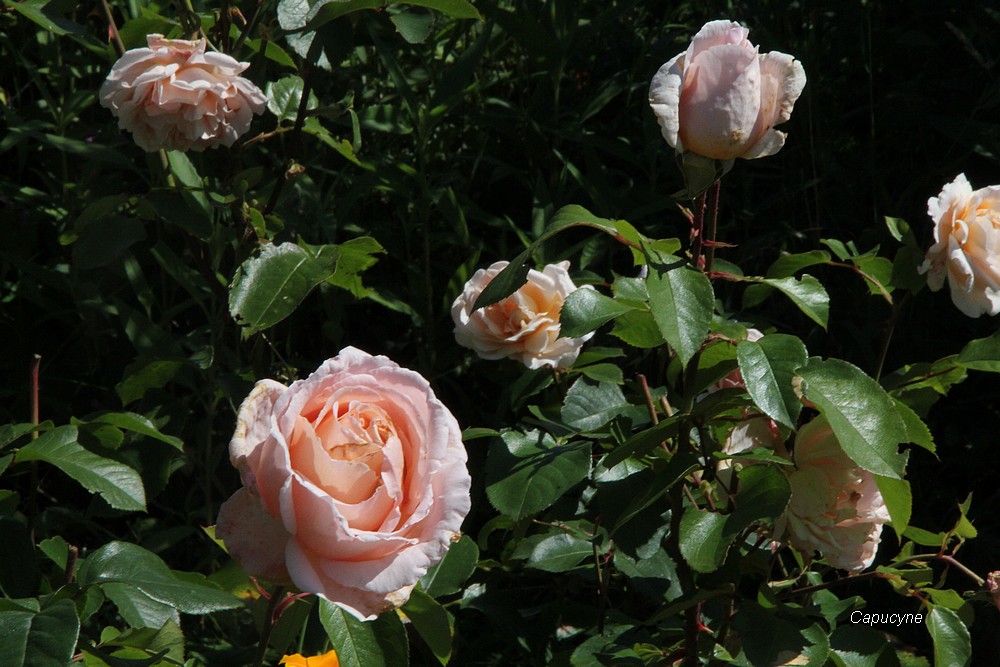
(916, 430)
(768, 367)
(586, 309)
(447, 576)
(459, 9)
(116, 482)
(952, 643)
(432, 622)
(639, 329)
(136, 423)
(378, 643)
(138, 609)
(557, 552)
(130, 564)
(194, 187)
(414, 27)
(982, 354)
(269, 287)
(588, 406)
(49, 15)
(807, 293)
(285, 95)
(39, 637)
(682, 303)
(857, 646)
(705, 536)
(530, 472)
(603, 373)
(898, 501)
(788, 265)
(353, 258)
(862, 415)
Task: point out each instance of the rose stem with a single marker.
(710, 250)
(697, 228)
(649, 399)
(112, 28)
(300, 118)
(277, 595)
(36, 361)
(248, 27)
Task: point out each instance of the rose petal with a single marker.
(254, 538)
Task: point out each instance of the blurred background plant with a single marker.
(433, 146)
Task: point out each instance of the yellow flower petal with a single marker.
(329, 659)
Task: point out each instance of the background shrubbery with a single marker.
(458, 151)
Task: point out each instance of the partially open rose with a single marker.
(355, 482)
(966, 248)
(721, 99)
(525, 325)
(835, 507)
(177, 96)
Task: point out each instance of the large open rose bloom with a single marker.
(177, 96)
(835, 507)
(354, 479)
(525, 325)
(966, 248)
(721, 99)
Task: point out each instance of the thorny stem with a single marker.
(265, 635)
(649, 399)
(248, 27)
(697, 229)
(112, 28)
(710, 246)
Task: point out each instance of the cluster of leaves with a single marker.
(405, 146)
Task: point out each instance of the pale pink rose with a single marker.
(525, 325)
(354, 479)
(721, 99)
(735, 378)
(966, 247)
(175, 95)
(835, 507)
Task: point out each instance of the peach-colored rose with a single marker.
(835, 507)
(966, 247)
(721, 99)
(525, 325)
(354, 482)
(177, 96)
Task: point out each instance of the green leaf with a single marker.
(378, 643)
(789, 264)
(644, 442)
(103, 242)
(768, 367)
(705, 536)
(807, 293)
(41, 638)
(194, 193)
(860, 412)
(531, 472)
(268, 288)
(329, 10)
(898, 500)
(152, 375)
(857, 646)
(116, 482)
(639, 329)
(49, 15)
(952, 643)
(682, 303)
(285, 95)
(588, 407)
(138, 609)
(125, 563)
(603, 373)
(414, 27)
(916, 430)
(354, 257)
(447, 575)
(515, 274)
(459, 9)
(586, 309)
(982, 354)
(135, 423)
(554, 553)
(432, 622)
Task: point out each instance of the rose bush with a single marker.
(721, 99)
(966, 249)
(175, 95)
(354, 482)
(525, 325)
(835, 506)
